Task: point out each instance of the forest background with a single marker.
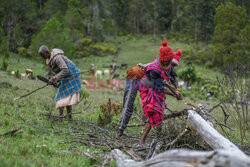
(213, 35)
(81, 27)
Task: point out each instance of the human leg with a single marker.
(61, 113)
(145, 133)
(69, 112)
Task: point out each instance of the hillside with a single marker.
(41, 140)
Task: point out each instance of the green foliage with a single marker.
(205, 55)
(86, 47)
(74, 21)
(164, 15)
(3, 42)
(53, 35)
(22, 51)
(230, 20)
(188, 74)
(4, 65)
(109, 113)
(102, 49)
(19, 36)
(19, 19)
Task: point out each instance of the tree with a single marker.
(164, 18)
(74, 20)
(18, 18)
(54, 36)
(230, 20)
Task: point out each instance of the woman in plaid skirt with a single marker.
(69, 76)
(151, 89)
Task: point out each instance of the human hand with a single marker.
(178, 94)
(52, 80)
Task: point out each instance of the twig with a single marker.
(88, 155)
(169, 110)
(133, 154)
(217, 105)
(175, 114)
(10, 132)
(154, 148)
(177, 138)
(30, 93)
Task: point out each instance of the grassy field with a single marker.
(39, 143)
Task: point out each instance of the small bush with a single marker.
(22, 51)
(108, 112)
(188, 74)
(86, 47)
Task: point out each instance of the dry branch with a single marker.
(209, 134)
(184, 157)
(11, 132)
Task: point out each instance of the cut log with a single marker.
(211, 135)
(184, 157)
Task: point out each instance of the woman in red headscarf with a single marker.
(152, 91)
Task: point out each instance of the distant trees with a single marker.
(230, 35)
(54, 35)
(19, 20)
(24, 21)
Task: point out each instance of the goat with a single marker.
(98, 72)
(24, 76)
(106, 72)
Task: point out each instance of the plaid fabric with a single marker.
(153, 101)
(153, 104)
(70, 84)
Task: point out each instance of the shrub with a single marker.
(86, 47)
(188, 74)
(108, 112)
(22, 51)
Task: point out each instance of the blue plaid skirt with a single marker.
(70, 84)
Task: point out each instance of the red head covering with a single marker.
(165, 53)
(176, 58)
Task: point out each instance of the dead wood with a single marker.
(12, 132)
(212, 137)
(154, 148)
(177, 138)
(184, 157)
(133, 154)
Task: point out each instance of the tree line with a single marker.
(77, 24)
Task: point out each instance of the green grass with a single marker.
(31, 146)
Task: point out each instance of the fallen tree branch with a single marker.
(184, 157)
(210, 135)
